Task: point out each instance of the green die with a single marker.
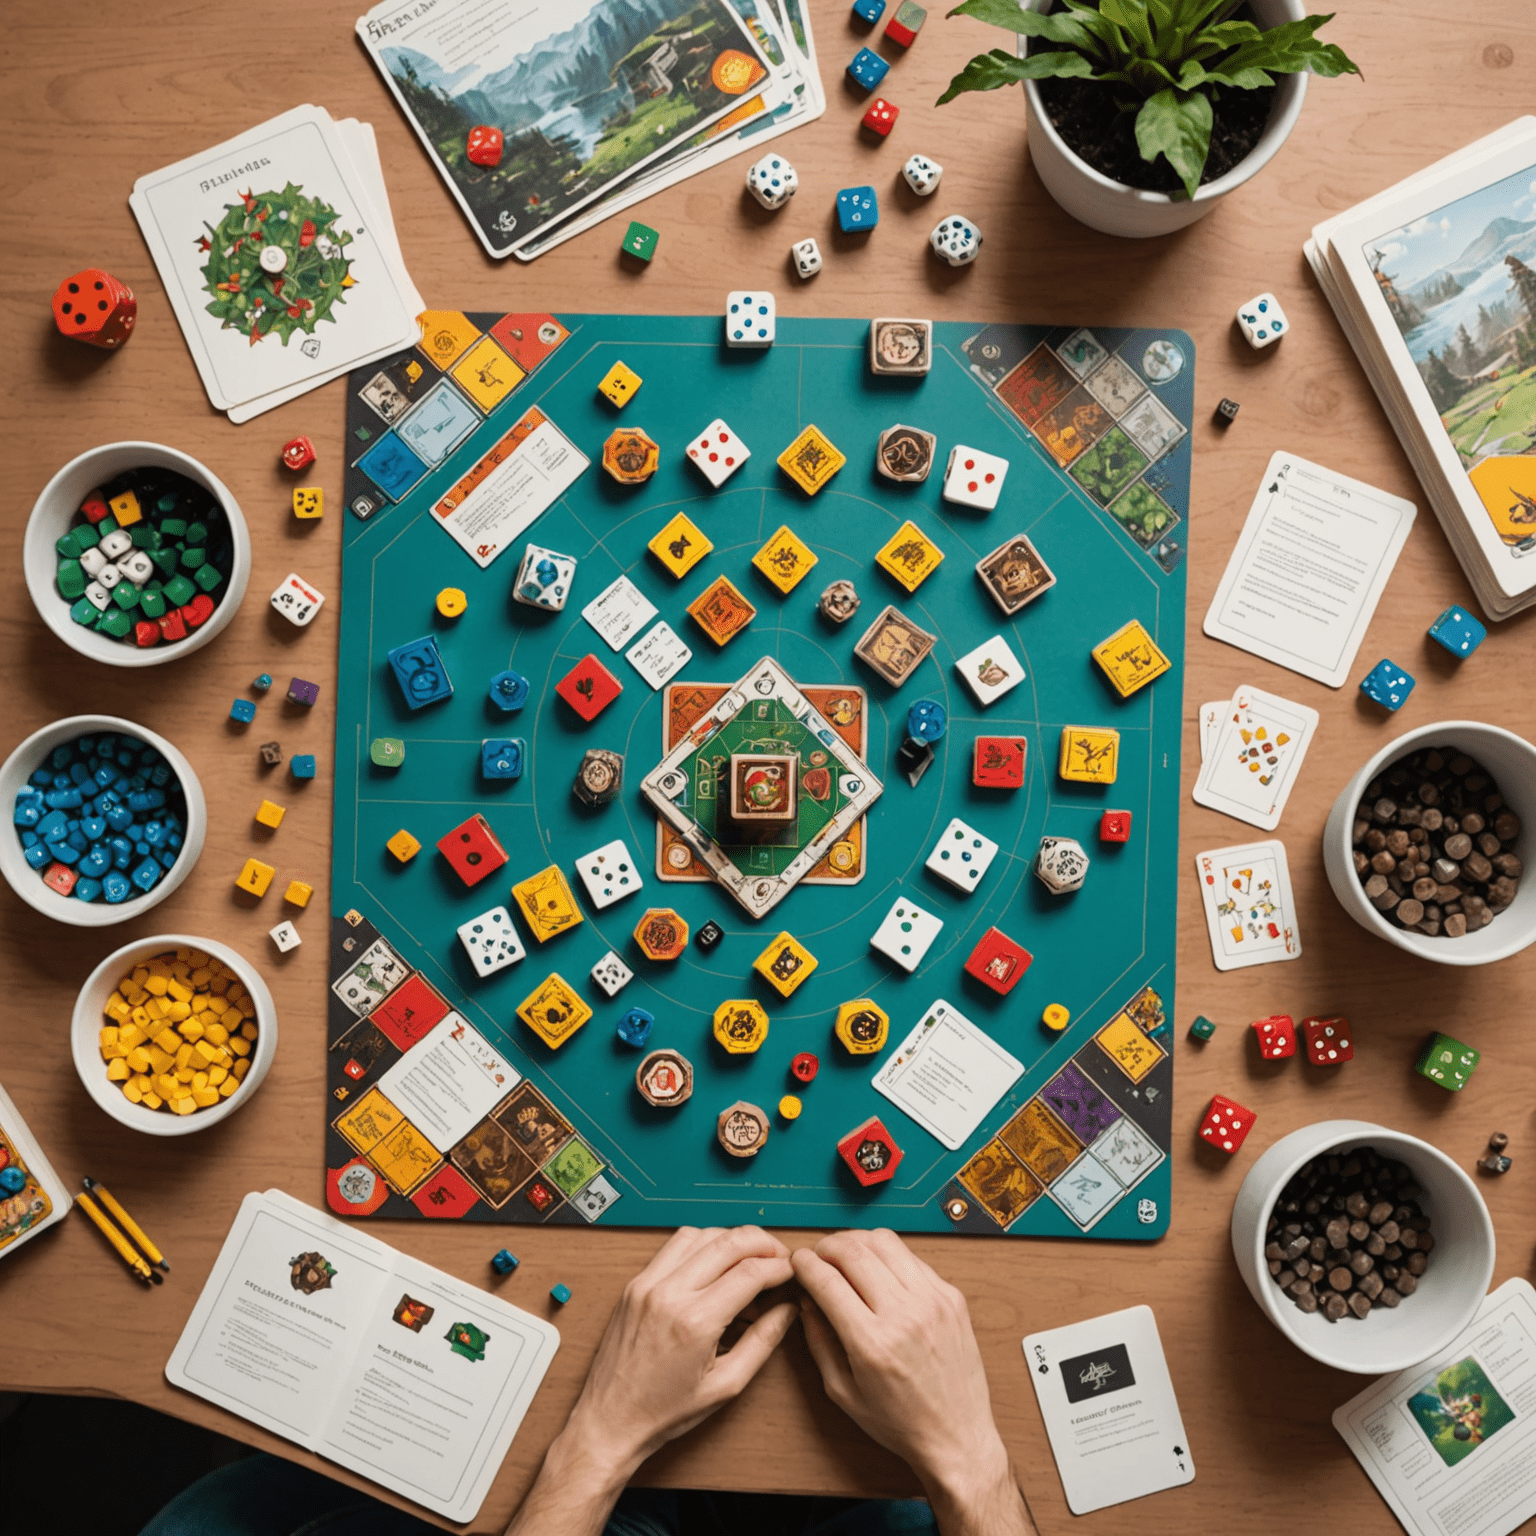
(68, 547)
(208, 577)
(386, 751)
(1447, 1061)
(115, 622)
(191, 558)
(178, 591)
(85, 613)
(640, 240)
(126, 596)
(85, 536)
(174, 527)
(71, 579)
(152, 602)
(1202, 1028)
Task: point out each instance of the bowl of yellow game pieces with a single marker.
(173, 1033)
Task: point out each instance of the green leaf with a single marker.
(1290, 49)
(1177, 125)
(1195, 75)
(988, 71)
(1132, 16)
(1010, 14)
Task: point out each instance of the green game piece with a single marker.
(105, 526)
(152, 602)
(71, 579)
(178, 590)
(166, 559)
(174, 527)
(387, 751)
(115, 622)
(208, 577)
(197, 533)
(84, 612)
(1445, 1060)
(1202, 1028)
(363, 435)
(192, 558)
(146, 536)
(85, 536)
(126, 596)
(166, 503)
(640, 240)
(67, 547)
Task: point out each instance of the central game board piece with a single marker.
(997, 962)
(927, 720)
(871, 1153)
(990, 671)
(806, 255)
(740, 1025)
(1130, 659)
(894, 646)
(910, 557)
(858, 208)
(785, 560)
(553, 1011)
(785, 964)
(718, 452)
(1089, 754)
(961, 856)
(905, 454)
(661, 933)
(599, 777)
(1447, 1061)
(880, 117)
(547, 904)
(742, 1129)
(472, 849)
(491, 942)
(913, 759)
(997, 762)
(419, 670)
(665, 1079)
(404, 847)
(721, 611)
(921, 173)
(1061, 864)
(903, 347)
(906, 934)
(811, 460)
(862, 1027)
(630, 456)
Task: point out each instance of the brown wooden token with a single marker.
(742, 1129)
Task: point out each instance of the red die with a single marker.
(484, 146)
(998, 962)
(1277, 1036)
(198, 611)
(61, 878)
(998, 762)
(94, 507)
(881, 117)
(1328, 1041)
(870, 1152)
(1226, 1124)
(298, 454)
(172, 625)
(1115, 827)
(472, 849)
(908, 21)
(589, 687)
(93, 307)
(146, 633)
(804, 1067)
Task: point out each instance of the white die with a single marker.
(907, 933)
(116, 543)
(544, 578)
(991, 670)
(973, 478)
(922, 174)
(718, 452)
(961, 856)
(286, 937)
(749, 319)
(806, 255)
(98, 596)
(137, 567)
(491, 942)
(1262, 321)
(609, 873)
(92, 560)
(610, 975)
(296, 600)
(772, 181)
(108, 576)
(957, 240)
(1061, 864)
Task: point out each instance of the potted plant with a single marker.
(1144, 114)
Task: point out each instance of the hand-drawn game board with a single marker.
(1094, 423)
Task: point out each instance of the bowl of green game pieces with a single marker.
(136, 554)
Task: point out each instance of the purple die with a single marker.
(300, 692)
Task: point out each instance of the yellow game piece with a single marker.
(132, 1092)
(269, 814)
(1130, 659)
(785, 964)
(451, 602)
(741, 1025)
(1056, 1016)
(619, 385)
(811, 460)
(862, 1027)
(1089, 754)
(553, 1011)
(790, 1107)
(631, 456)
(298, 893)
(125, 508)
(785, 560)
(308, 501)
(547, 905)
(118, 1071)
(661, 933)
(910, 557)
(680, 546)
(721, 611)
(403, 846)
(228, 1086)
(255, 877)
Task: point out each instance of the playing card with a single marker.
(1255, 757)
(1210, 720)
(1245, 891)
(619, 611)
(659, 655)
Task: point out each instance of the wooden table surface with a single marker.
(157, 82)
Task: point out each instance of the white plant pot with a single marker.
(1116, 209)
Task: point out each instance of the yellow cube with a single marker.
(308, 501)
(190, 1029)
(403, 846)
(117, 1007)
(130, 1035)
(131, 1092)
(240, 1048)
(1089, 754)
(160, 1061)
(298, 894)
(785, 560)
(157, 983)
(228, 1086)
(239, 1069)
(168, 1040)
(255, 877)
(216, 1075)
(269, 814)
(152, 1101)
(619, 386)
(179, 990)
(203, 1097)
(1130, 659)
(138, 1059)
(125, 508)
(680, 546)
(811, 460)
(248, 1030)
(910, 557)
(184, 1105)
(215, 1034)
(553, 1011)
(785, 964)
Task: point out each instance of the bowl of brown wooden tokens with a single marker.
(1369, 1249)
(1427, 847)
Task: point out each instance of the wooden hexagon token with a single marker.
(630, 456)
(742, 1129)
(862, 1027)
(661, 933)
(721, 611)
(554, 1011)
(785, 964)
(665, 1079)
(871, 1153)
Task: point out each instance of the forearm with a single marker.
(576, 1488)
(981, 1500)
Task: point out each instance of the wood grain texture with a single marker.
(178, 77)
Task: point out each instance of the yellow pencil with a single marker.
(118, 1241)
(127, 1223)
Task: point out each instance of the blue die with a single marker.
(857, 208)
(868, 69)
(927, 720)
(501, 757)
(419, 669)
(1458, 631)
(869, 10)
(509, 691)
(302, 766)
(242, 710)
(503, 1262)
(635, 1027)
(1387, 684)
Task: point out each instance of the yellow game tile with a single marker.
(862, 1027)
(1089, 754)
(1130, 659)
(403, 846)
(255, 877)
(547, 905)
(910, 557)
(308, 501)
(298, 893)
(811, 460)
(680, 546)
(741, 1025)
(487, 375)
(405, 1157)
(369, 1121)
(553, 1011)
(619, 385)
(785, 964)
(270, 814)
(1132, 1051)
(1002, 1185)
(125, 508)
(631, 457)
(721, 611)
(785, 560)
(446, 335)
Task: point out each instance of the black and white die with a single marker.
(610, 975)
(491, 942)
(296, 600)
(772, 181)
(956, 239)
(609, 873)
(137, 567)
(806, 255)
(116, 544)
(922, 174)
(1061, 864)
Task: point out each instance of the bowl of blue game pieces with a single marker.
(107, 819)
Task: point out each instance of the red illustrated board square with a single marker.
(870, 1152)
(409, 1011)
(529, 339)
(447, 1195)
(589, 687)
(472, 849)
(998, 962)
(999, 762)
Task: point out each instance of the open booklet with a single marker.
(391, 1368)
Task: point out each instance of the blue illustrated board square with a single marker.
(439, 424)
(392, 466)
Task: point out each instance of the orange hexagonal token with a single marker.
(661, 933)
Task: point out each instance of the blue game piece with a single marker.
(263, 682)
(561, 1293)
(242, 710)
(501, 757)
(927, 720)
(635, 1028)
(116, 887)
(13, 1181)
(869, 10)
(1387, 684)
(1458, 631)
(868, 69)
(857, 209)
(503, 1262)
(302, 766)
(419, 669)
(509, 691)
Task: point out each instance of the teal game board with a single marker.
(441, 1102)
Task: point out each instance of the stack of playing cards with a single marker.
(279, 256)
(546, 117)
(1251, 750)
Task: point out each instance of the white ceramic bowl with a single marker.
(1450, 1290)
(28, 882)
(1512, 762)
(88, 1022)
(54, 512)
